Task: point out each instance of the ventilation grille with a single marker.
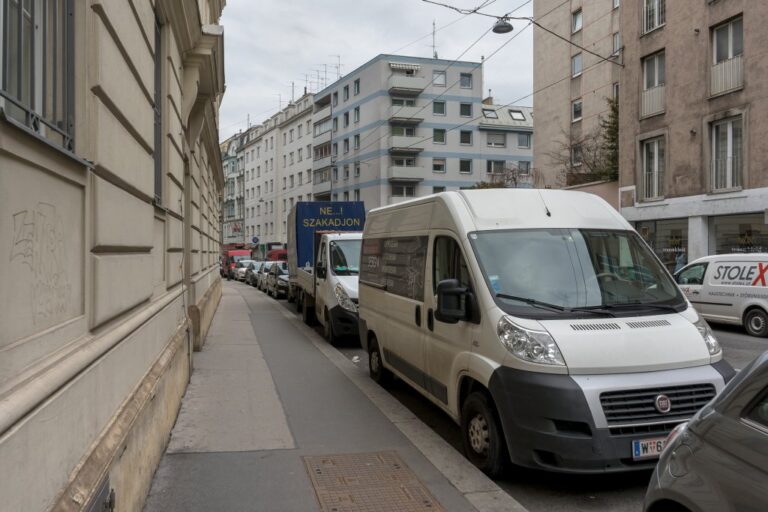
(638, 405)
(596, 327)
(648, 323)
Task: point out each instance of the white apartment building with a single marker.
(400, 127)
(278, 172)
(572, 86)
(233, 201)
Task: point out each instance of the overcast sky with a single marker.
(270, 43)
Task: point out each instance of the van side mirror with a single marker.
(451, 301)
(320, 270)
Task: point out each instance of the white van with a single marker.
(729, 288)
(540, 322)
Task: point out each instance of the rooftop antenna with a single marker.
(338, 66)
(292, 91)
(326, 75)
(434, 46)
(279, 101)
(248, 120)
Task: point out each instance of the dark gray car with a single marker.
(719, 460)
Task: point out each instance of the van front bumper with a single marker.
(548, 423)
(344, 322)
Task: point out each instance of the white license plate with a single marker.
(648, 448)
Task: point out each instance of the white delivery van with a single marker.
(540, 322)
(729, 288)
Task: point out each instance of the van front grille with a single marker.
(637, 406)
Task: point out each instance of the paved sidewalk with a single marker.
(274, 419)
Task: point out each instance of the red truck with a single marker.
(231, 258)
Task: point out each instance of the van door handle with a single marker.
(695, 292)
(430, 319)
(418, 315)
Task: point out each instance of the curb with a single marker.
(473, 484)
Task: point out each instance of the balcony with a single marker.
(406, 173)
(406, 115)
(727, 76)
(321, 188)
(407, 85)
(321, 114)
(322, 138)
(652, 101)
(403, 144)
(321, 163)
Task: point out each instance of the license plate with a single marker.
(648, 448)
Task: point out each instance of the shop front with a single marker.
(669, 240)
(738, 234)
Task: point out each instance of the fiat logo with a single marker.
(663, 404)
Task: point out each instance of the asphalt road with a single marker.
(541, 491)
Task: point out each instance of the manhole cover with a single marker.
(369, 482)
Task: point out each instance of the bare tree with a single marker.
(513, 176)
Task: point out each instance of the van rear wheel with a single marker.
(378, 373)
(756, 322)
(481, 435)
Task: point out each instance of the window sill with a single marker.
(651, 116)
(653, 201)
(574, 121)
(725, 93)
(654, 29)
(577, 75)
(725, 193)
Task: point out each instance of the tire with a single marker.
(328, 331)
(756, 323)
(298, 302)
(307, 313)
(376, 370)
(481, 435)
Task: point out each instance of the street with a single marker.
(542, 491)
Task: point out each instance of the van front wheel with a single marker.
(481, 435)
(756, 322)
(379, 374)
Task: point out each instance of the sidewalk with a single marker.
(274, 419)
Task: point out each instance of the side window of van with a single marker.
(693, 274)
(395, 264)
(449, 262)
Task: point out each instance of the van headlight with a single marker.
(709, 337)
(343, 298)
(529, 345)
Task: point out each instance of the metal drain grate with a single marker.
(368, 482)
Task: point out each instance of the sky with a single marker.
(270, 43)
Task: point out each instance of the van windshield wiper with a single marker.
(547, 305)
(634, 305)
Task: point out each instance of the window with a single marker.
(576, 155)
(346, 172)
(335, 124)
(517, 115)
(357, 194)
(438, 108)
(576, 107)
(449, 263)
(759, 413)
(346, 145)
(465, 109)
(437, 190)
(693, 274)
(403, 102)
(653, 155)
(438, 165)
(728, 40)
(654, 73)
(397, 263)
(727, 148)
(490, 113)
(290, 181)
(335, 174)
(616, 43)
(356, 116)
(346, 92)
(465, 137)
(404, 131)
(465, 80)
(284, 161)
(290, 158)
(301, 180)
(335, 98)
(285, 182)
(403, 191)
(346, 119)
(356, 87)
(298, 130)
(357, 141)
(335, 149)
(616, 91)
(438, 78)
(524, 140)
(497, 140)
(654, 14)
(346, 196)
(524, 166)
(576, 65)
(404, 162)
(465, 166)
(290, 137)
(495, 166)
(357, 169)
(35, 38)
(298, 154)
(576, 21)
(285, 138)
(438, 136)
(616, 3)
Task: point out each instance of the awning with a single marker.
(404, 66)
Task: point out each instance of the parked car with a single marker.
(250, 272)
(277, 280)
(540, 322)
(240, 268)
(261, 276)
(719, 459)
(729, 288)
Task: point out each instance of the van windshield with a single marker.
(562, 271)
(345, 257)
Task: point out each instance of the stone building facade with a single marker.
(693, 111)
(110, 189)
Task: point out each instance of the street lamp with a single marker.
(502, 26)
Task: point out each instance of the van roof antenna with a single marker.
(546, 209)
